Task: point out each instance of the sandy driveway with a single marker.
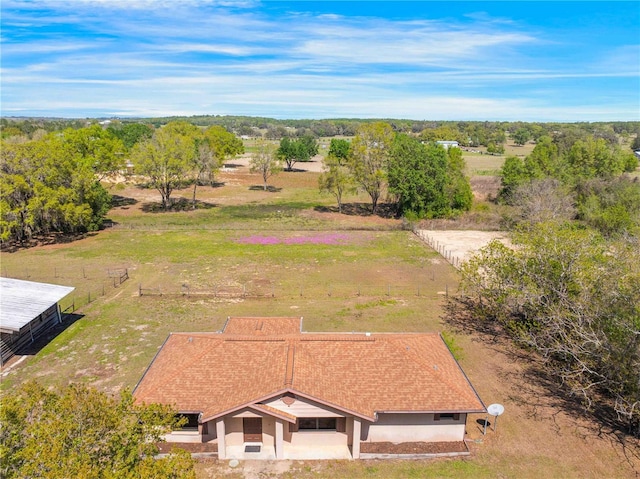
(458, 246)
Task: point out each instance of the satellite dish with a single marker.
(495, 410)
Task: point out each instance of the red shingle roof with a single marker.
(258, 358)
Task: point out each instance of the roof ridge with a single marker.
(289, 370)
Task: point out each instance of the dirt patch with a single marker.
(412, 447)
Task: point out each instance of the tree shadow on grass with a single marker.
(270, 189)
(118, 201)
(181, 204)
(44, 240)
(383, 210)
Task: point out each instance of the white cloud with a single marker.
(196, 56)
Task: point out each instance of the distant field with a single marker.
(479, 162)
(244, 251)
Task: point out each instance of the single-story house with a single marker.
(27, 310)
(262, 384)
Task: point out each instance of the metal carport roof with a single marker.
(22, 301)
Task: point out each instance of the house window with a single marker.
(454, 416)
(191, 424)
(317, 424)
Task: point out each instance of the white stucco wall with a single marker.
(413, 428)
(304, 408)
(313, 439)
(234, 435)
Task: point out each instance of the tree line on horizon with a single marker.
(490, 134)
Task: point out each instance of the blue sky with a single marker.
(530, 61)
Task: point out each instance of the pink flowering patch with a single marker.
(333, 238)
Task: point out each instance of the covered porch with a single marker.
(250, 434)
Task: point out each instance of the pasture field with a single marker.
(244, 251)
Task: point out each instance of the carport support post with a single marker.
(355, 448)
(220, 433)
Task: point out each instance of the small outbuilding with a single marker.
(448, 144)
(27, 310)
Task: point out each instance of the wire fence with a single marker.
(90, 283)
(441, 248)
(313, 291)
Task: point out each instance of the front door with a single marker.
(252, 428)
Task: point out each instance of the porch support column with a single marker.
(279, 444)
(355, 448)
(222, 451)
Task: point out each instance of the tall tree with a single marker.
(369, 157)
(301, 149)
(223, 145)
(167, 158)
(458, 188)
(212, 149)
(418, 178)
(512, 175)
(99, 149)
(544, 160)
(593, 158)
(265, 161)
(339, 148)
(131, 133)
(521, 136)
(46, 186)
(336, 178)
(80, 432)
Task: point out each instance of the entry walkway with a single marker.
(268, 453)
(316, 452)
